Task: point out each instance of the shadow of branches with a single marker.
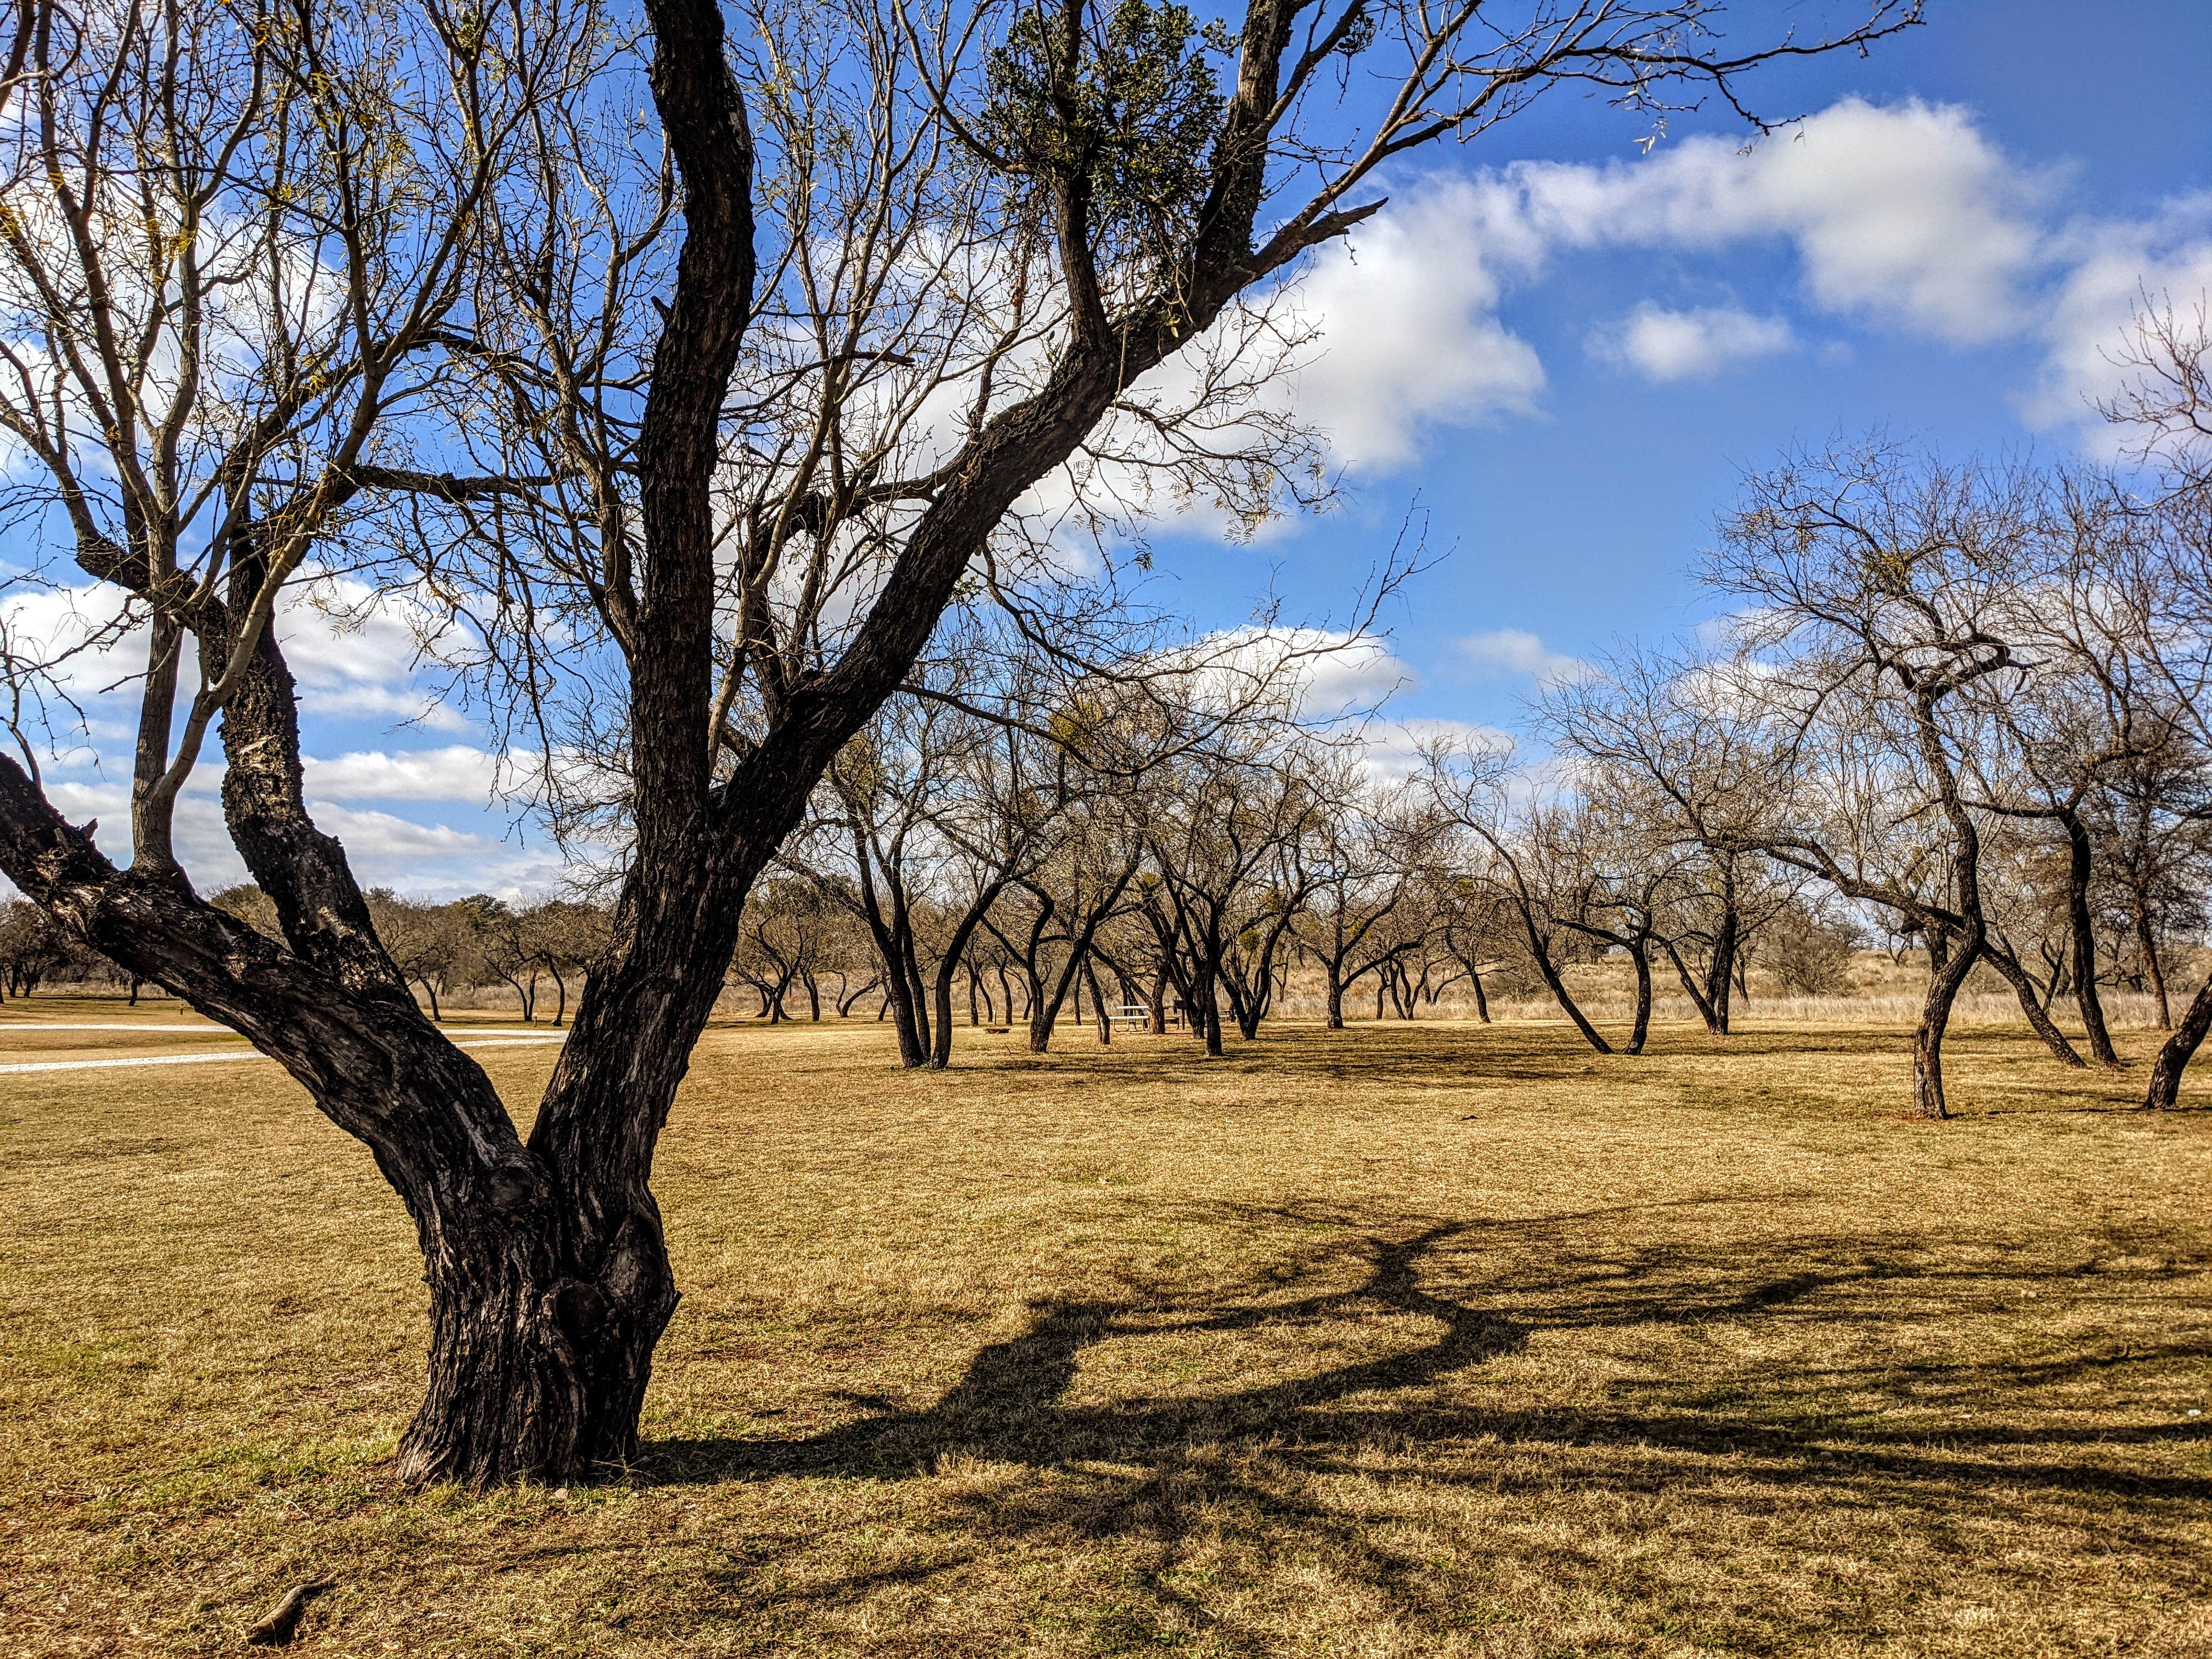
(1840, 1393)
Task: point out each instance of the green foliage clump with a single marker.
(1121, 108)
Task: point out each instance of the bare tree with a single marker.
(1531, 858)
(432, 946)
(1226, 828)
(1366, 862)
(1667, 727)
(1887, 591)
(781, 944)
(672, 461)
(888, 785)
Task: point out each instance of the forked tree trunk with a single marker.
(1716, 1023)
(905, 1017)
(1723, 970)
(1335, 999)
(548, 1274)
(1041, 1019)
(1098, 1003)
(1557, 986)
(948, 966)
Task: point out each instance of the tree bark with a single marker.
(1947, 971)
(949, 965)
(1482, 1002)
(2173, 1057)
(2147, 943)
(1640, 954)
(534, 1368)
(2038, 1020)
(1098, 1003)
(2084, 940)
(1725, 969)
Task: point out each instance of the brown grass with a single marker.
(1425, 1341)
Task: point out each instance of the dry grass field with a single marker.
(1429, 1340)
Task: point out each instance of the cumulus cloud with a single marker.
(1664, 345)
(1502, 652)
(1903, 217)
(1409, 334)
(1906, 213)
(456, 773)
(2116, 270)
(358, 655)
(1390, 754)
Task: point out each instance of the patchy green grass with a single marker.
(1427, 1340)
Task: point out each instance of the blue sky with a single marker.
(1566, 351)
(2049, 151)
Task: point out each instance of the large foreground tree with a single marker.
(683, 451)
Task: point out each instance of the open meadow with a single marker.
(1435, 1339)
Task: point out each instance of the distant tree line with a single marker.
(532, 947)
(1964, 708)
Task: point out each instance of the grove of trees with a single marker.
(731, 390)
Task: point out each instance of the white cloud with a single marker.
(2116, 268)
(1505, 651)
(456, 772)
(1391, 753)
(356, 654)
(1904, 213)
(1664, 345)
(1409, 334)
(1904, 216)
(1323, 674)
(433, 860)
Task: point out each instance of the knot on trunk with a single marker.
(579, 1310)
(635, 1271)
(511, 1189)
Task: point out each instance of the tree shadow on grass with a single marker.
(1302, 1467)
(1007, 1405)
